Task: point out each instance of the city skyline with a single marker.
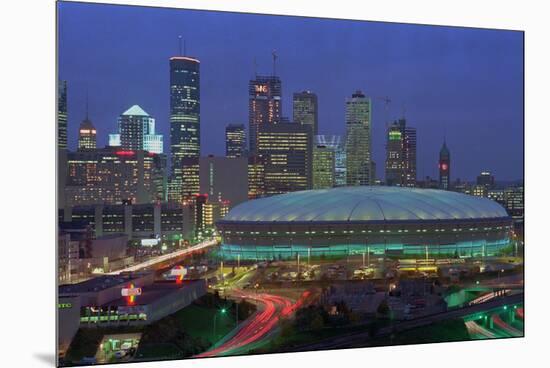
(436, 115)
(292, 208)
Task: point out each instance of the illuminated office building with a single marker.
(235, 141)
(256, 177)
(479, 190)
(113, 176)
(401, 155)
(136, 131)
(184, 125)
(486, 179)
(323, 167)
(337, 144)
(62, 115)
(304, 109)
(514, 203)
(264, 106)
(287, 151)
(87, 135)
(444, 167)
(358, 140)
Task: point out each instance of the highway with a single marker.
(258, 327)
(166, 257)
(359, 338)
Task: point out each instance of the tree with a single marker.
(317, 322)
(383, 308)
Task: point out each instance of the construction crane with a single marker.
(387, 102)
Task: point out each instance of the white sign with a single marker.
(178, 271)
(130, 291)
(149, 242)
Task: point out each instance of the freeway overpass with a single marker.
(167, 259)
(358, 339)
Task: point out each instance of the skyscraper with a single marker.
(401, 154)
(358, 140)
(256, 177)
(62, 115)
(87, 137)
(304, 109)
(444, 167)
(264, 105)
(287, 151)
(136, 130)
(323, 167)
(111, 176)
(184, 124)
(337, 144)
(486, 179)
(235, 140)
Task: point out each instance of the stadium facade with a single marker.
(392, 221)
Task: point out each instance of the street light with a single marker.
(222, 311)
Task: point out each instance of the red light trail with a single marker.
(273, 308)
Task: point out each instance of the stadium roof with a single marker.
(366, 203)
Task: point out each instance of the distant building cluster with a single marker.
(274, 155)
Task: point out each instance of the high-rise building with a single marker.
(62, 115)
(136, 131)
(87, 135)
(287, 151)
(235, 141)
(304, 109)
(337, 144)
(444, 167)
(184, 125)
(264, 106)
(486, 179)
(358, 140)
(323, 167)
(401, 155)
(112, 176)
(514, 203)
(256, 177)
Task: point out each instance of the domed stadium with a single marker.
(392, 221)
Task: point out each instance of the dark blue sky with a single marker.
(466, 84)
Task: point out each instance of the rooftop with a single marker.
(99, 283)
(366, 203)
(135, 110)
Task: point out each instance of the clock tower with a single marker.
(444, 167)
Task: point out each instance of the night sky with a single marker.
(464, 84)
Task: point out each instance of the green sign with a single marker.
(64, 305)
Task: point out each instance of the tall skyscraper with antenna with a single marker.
(87, 135)
(184, 123)
(264, 104)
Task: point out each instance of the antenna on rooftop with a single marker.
(86, 102)
(274, 54)
(179, 44)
